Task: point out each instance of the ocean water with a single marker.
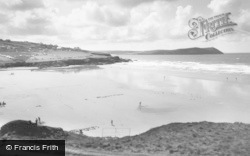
(227, 63)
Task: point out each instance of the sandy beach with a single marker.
(88, 98)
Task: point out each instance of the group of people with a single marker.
(236, 79)
(38, 121)
(2, 104)
(139, 107)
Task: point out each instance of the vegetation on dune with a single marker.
(199, 138)
(30, 129)
(202, 138)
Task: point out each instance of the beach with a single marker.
(105, 100)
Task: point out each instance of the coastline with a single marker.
(66, 62)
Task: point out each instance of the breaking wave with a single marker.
(195, 66)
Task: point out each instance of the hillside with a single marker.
(30, 129)
(198, 138)
(187, 51)
(16, 54)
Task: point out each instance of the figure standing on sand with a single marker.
(112, 123)
(2, 104)
(140, 106)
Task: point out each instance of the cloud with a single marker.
(221, 5)
(22, 4)
(124, 3)
(147, 23)
(29, 22)
(134, 3)
(4, 18)
(239, 8)
(94, 13)
(233, 6)
(105, 22)
(112, 22)
(244, 20)
(183, 15)
(94, 20)
(116, 17)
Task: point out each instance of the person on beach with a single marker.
(36, 121)
(140, 106)
(2, 104)
(39, 120)
(81, 133)
(112, 123)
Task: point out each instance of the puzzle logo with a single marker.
(212, 27)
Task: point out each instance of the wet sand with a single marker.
(90, 99)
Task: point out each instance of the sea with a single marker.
(233, 63)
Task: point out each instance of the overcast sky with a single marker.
(121, 24)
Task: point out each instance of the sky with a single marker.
(121, 24)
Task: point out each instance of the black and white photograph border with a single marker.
(125, 77)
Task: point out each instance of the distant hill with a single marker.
(187, 51)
